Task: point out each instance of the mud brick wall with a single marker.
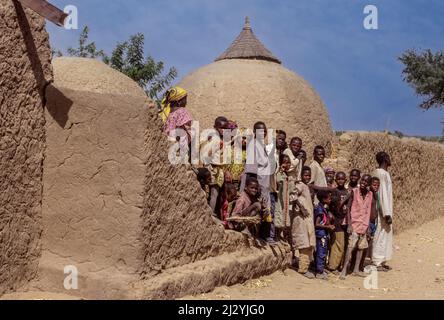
(25, 71)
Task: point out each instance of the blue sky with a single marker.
(354, 70)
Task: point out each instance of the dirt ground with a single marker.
(418, 273)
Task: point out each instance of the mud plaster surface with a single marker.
(25, 70)
(248, 91)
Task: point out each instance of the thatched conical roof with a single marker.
(247, 46)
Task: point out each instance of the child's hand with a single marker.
(388, 219)
(349, 229)
(331, 227)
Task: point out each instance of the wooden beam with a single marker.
(46, 10)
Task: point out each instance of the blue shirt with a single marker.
(321, 212)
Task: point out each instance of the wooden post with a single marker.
(46, 10)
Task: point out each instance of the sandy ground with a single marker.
(418, 273)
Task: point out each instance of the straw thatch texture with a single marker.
(247, 46)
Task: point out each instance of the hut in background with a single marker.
(247, 83)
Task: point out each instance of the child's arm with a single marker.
(318, 188)
(327, 227)
(349, 206)
(253, 208)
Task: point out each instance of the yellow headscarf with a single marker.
(172, 95)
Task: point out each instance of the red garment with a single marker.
(360, 211)
(225, 212)
(242, 203)
(177, 119)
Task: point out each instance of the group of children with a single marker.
(328, 219)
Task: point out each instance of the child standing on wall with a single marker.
(323, 228)
(359, 220)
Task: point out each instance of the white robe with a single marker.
(317, 177)
(383, 240)
(295, 165)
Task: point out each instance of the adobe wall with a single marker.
(113, 205)
(25, 70)
(417, 171)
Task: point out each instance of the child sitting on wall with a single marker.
(248, 205)
(228, 201)
(204, 178)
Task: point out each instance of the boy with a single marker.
(292, 152)
(306, 178)
(323, 228)
(383, 241)
(281, 142)
(318, 180)
(359, 219)
(261, 165)
(281, 215)
(355, 175)
(249, 203)
(214, 162)
(339, 208)
(317, 172)
(330, 177)
(376, 205)
(302, 231)
(302, 156)
(376, 208)
(229, 196)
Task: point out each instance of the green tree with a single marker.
(85, 49)
(129, 58)
(424, 72)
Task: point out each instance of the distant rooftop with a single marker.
(247, 46)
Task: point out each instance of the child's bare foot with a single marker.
(309, 275)
(386, 267)
(359, 274)
(342, 276)
(322, 276)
